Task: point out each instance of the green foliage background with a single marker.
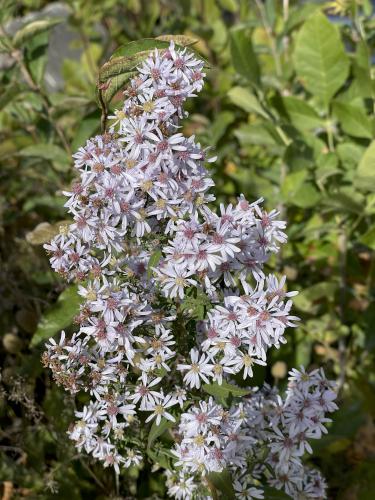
(289, 108)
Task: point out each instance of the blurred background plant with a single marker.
(289, 108)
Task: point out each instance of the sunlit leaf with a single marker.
(247, 101)
(244, 59)
(353, 120)
(59, 316)
(319, 57)
(301, 114)
(223, 482)
(365, 175)
(34, 28)
(158, 430)
(45, 151)
(224, 390)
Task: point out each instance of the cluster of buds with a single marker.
(145, 249)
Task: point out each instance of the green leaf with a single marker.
(8, 94)
(121, 67)
(196, 305)
(108, 90)
(229, 5)
(5, 46)
(35, 56)
(346, 199)
(247, 101)
(362, 70)
(350, 154)
(223, 482)
(44, 232)
(365, 175)
(224, 390)
(47, 152)
(274, 494)
(158, 430)
(220, 125)
(368, 238)
(243, 56)
(299, 14)
(306, 196)
(87, 127)
(292, 183)
(304, 301)
(353, 120)
(263, 134)
(159, 457)
(34, 28)
(301, 114)
(58, 316)
(153, 261)
(320, 59)
(136, 46)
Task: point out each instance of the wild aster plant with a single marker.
(148, 253)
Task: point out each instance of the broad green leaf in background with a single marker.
(46, 151)
(87, 127)
(320, 59)
(350, 154)
(365, 175)
(353, 119)
(274, 494)
(304, 301)
(10, 93)
(244, 59)
(247, 101)
(44, 232)
(346, 200)
(34, 28)
(292, 183)
(220, 125)
(224, 390)
(147, 44)
(306, 196)
(229, 5)
(36, 56)
(196, 305)
(121, 67)
(222, 481)
(301, 114)
(59, 316)
(153, 262)
(158, 430)
(299, 14)
(258, 133)
(368, 238)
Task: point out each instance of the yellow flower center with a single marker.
(218, 369)
(199, 440)
(120, 114)
(180, 281)
(159, 410)
(146, 186)
(195, 368)
(91, 295)
(248, 360)
(161, 203)
(130, 163)
(148, 106)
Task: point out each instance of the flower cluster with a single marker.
(212, 438)
(145, 251)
